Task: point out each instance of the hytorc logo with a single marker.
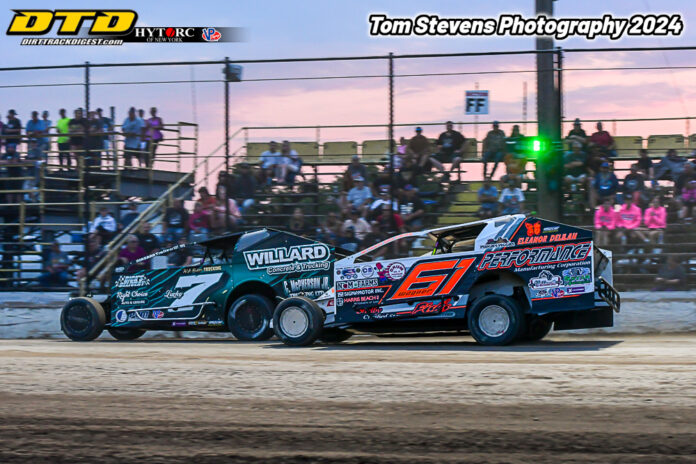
(103, 22)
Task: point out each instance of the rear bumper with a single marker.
(608, 294)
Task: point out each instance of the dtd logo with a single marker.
(104, 22)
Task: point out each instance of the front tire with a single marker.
(82, 319)
(298, 321)
(495, 320)
(126, 334)
(249, 318)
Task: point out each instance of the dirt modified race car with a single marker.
(501, 280)
(235, 287)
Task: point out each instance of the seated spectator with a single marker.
(380, 205)
(655, 219)
(645, 165)
(634, 186)
(603, 140)
(95, 253)
(348, 241)
(422, 151)
(358, 197)
(354, 229)
(577, 133)
(670, 166)
(132, 129)
(382, 183)
(687, 175)
(515, 160)
(493, 149)
(488, 197)
(14, 171)
(297, 224)
(688, 201)
(268, 162)
(217, 218)
(450, 145)
(130, 253)
(244, 188)
(206, 200)
(330, 229)
(55, 268)
(511, 199)
(291, 165)
(411, 208)
(575, 167)
(181, 256)
(605, 220)
(595, 159)
(148, 240)
(199, 222)
(604, 186)
(355, 169)
(131, 215)
(104, 225)
(408, 174)
(629, 218)
(176, 222)
(671, 276)
(376, 235)
(63, 127)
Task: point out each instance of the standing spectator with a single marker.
(420, 148)
(604, 141)
(56, 268)
(269, 161)
(291, 165)
(297, 224)
(493, 148)
(206, 200)
(575, 167)
(199, 222)
(14, 170)
(355, 168)
(355, 223)
(359, 195)
(35, 128)
(511, 199)
(94, 142)
(655, 219)
(671, 276)
(181, 256)
(605, 222)
(244, 188)
(46, 141)
(450, 144)
(94, 255)
(645, 165)
(132, 129)
(515, 160)
(634, 185)
(148, 240)
(629, 218)
(77, 127)
(670, 166)
(131, 215)
(488, 197)
(131, 252)
(577, 133)
(63, 127)
(12, 130)
(104, 225)
(688, 201)
(153, 135)
(411, 208)
(605, 185)
(107, 126)
(176, 222)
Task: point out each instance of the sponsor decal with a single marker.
(441, 278)
(157, 314)
(545, 280)
(311, 287)
(210, 34)
(143, 314)
(198, 323)
(430, 307)
(127, 281)
(198, 270)
(217, 323)
(367, 270)
(550, 229)
(533, 228)
(121, 316)
(371, 310)
(353, 284)
(499, 243)
(282, 260)
(528, 257)
(547, 238)
(129, 297)
(179, 324)
(556, 292)
(364, 291)
(396, 271)
(577, 275)
(347, 273)
(574, 290)
(174, 294)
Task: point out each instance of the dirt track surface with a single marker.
(396, 400)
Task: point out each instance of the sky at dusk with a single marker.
(280, 29)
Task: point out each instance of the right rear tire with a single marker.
(82, 319)
(298, 321)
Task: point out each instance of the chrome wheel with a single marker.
(294, 322)
(494, 321)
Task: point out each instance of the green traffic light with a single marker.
(536, 145)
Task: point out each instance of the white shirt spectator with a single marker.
(107, 222)
(361, 227)
(269, 159)
(379, 202)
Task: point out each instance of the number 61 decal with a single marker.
(453, 271)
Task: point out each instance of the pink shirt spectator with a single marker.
(629, 217)
(153, 128)
(689, 194)
(655, 218)
(605, 219)
(603, 139)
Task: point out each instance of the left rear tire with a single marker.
(249, 318)
(126, 334)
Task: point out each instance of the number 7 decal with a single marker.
(427, 285)
(198, 284)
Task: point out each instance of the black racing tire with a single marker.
(495, 320)
(334, 335)
(123, 334)
(249, 318)
(82, 319)
(298, 321)
(537, 327)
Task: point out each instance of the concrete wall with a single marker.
(36, 315)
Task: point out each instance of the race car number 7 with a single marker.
(198, 284)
